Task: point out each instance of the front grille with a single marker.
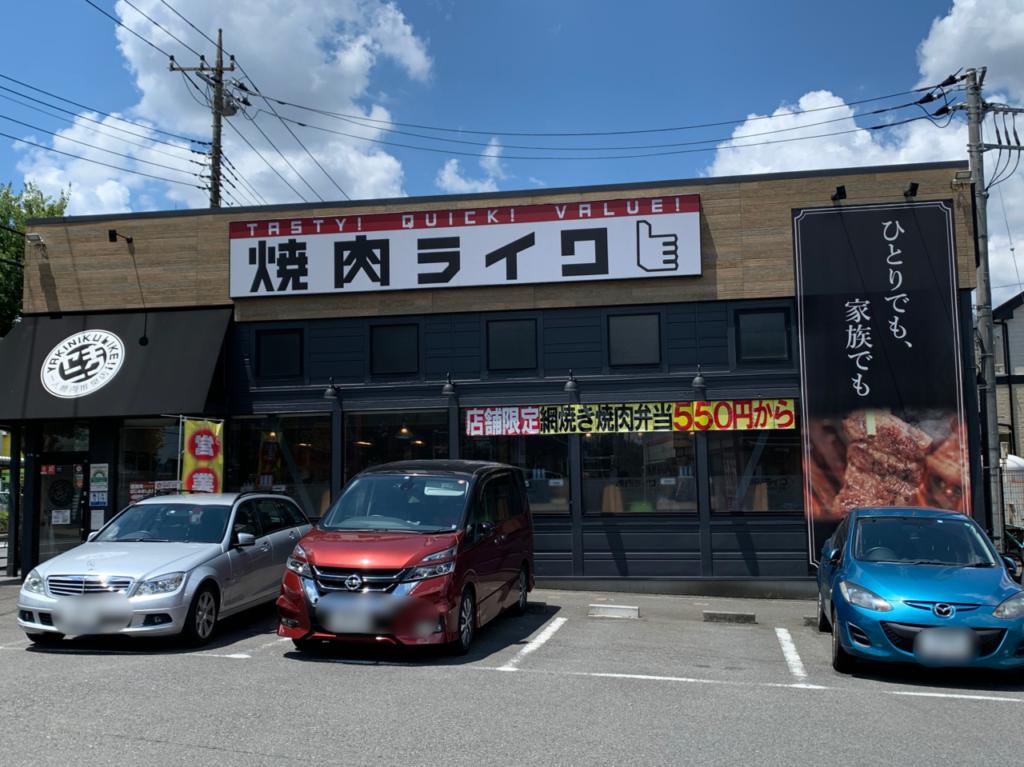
(333, 579)
(73, 585)
(1020, 650)
(46, 619)
(902, 636)
(960, 607)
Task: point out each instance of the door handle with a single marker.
(265, 546)
(292, 535)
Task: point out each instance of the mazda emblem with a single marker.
(354, 582)
(943, 610)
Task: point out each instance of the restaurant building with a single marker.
(634, 349)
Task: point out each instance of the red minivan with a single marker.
(412, 553)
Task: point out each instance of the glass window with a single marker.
(922, 541)
(271, 518)
(512, 345)
(394, 350)
(543, 458)
(288, 454)
(393, 502)
(639, 472)
(374, 438)
(148, 454)
(247, 520)
(279, 353)
(755, 470)
(178, 522)
(634, 339)
(65, 437)
(291, 512)
(762, 335)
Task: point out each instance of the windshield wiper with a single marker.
(147, 540)
(929, 562)
(982, 564)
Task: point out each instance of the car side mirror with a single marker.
(486, 528)
(92, 535)
(1011, 565)
(833, 556)
(244, 540)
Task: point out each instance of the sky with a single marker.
(483, 72)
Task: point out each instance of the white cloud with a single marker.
(989, 33)
(451, 179)
(320, 53)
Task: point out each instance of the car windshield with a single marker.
(396, 502)
(921, 541)
(172, 522)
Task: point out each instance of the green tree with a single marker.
(14, 209)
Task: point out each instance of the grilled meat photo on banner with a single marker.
(881, 361)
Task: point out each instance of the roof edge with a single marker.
(703, 181)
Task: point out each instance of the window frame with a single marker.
(257, 354)
(787, 316)
(371, 374)
(655, 311)
(511, 371)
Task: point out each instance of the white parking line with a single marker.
(796, 666)
(544, 636)
(237, 655)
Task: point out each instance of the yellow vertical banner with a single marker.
(203, 456)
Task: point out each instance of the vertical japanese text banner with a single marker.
(203, 458)
(880, 358)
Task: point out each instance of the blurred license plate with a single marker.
(92, 614)
(352, 614)
(945, 645)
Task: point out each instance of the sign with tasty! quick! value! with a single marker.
(522, 244)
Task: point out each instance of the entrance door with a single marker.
(62, 502)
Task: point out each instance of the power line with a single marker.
(238, 175)
(97, 111)
(166, 31)
(197, 29)
(357, 118)
(100, 149)
(610, 157)
(281, 155)
(97, 162)
(103, 133)
(285, 124)
(118, 22)
(625, 148)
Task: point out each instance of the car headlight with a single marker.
(1010, 608)
(430, 571)
(446, 554)
(300, 567)
(861, 597)
(34, 583)
(162, 584)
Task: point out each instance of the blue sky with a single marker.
(498, 68)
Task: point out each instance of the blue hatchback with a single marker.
(920, 586)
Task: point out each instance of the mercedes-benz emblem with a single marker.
(90, 565)
(943, 610)
(353, 582)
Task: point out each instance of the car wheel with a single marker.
(46, 638)
(524, 590)
(823, 624)
(467, 623)
(201, 620)
(842, 661)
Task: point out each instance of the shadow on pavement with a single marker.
(967, 680)
(506, 631)
(258, 621)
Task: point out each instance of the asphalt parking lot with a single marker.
(554, 687)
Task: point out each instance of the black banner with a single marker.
(880, 361)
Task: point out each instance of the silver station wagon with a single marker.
(173, 564)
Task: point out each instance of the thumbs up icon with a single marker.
(656, 252)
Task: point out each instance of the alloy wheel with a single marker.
(206, 615)
(466, 620)
(523, 587)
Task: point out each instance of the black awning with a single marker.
(117, 365)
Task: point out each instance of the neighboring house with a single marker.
(1009, 343)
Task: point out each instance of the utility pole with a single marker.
(220, 107)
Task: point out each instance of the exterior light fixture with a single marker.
(911, 191)
(112, 235)
(449, 387)
(839, 193)
(35, 239)
(331, 392)
(571, 385)
(699, 384)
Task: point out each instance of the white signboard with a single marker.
(96, 519)
(553, 243)
(99, 477)
(61, 517)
